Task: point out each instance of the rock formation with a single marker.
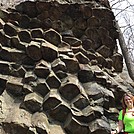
(59, 68)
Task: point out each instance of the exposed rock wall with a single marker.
(58, 63)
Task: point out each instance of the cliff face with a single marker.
(60, 70)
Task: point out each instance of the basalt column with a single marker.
(58, 61)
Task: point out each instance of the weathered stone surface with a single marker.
(93, 22)
(43, 16)
(81, 102)
(4, 39)
(47, 23)
(58, 65)
(109, 63)
(117, 62)
(14, 16)
(71, 64)
(56, 129)
(40, 122)
(34, 50)
(49, 51)
(70, 89)
(17, 71)
(29, 76)
(53, 81)
(51, 101)
(87, 43)
(24, 36)
(15, 43)
(42, 87)
(65, 49)
(67, 20)
(86, 10)
(101, 60)
(42, 69)
(53, 37)
(37, 33)
(2, 23)
(4, 15)
(27, 89)
(74, 42)
(14, 86)
(82, 58)
(24, 21)
(85, 74)
(74, 127)
(9, 54)
(88, 114)
(103, 13)
(3, 84)
(35, 23)
(60, 113)
(41, 6)
(32, 102)
(10, 29)
(61, 74)
(28, 62)
(91, 55)
(93, 35)
(81, 23)
(4, 67)
(104, 51)
(93, 90)
(54, 13)
(14, 127)
(98, 126)
(28, 8)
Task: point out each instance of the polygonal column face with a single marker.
(69, 91)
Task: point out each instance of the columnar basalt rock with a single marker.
(58, 64)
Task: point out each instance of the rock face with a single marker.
(59, 68)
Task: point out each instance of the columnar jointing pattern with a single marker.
(53, 55)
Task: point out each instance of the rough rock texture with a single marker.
(60, 70)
